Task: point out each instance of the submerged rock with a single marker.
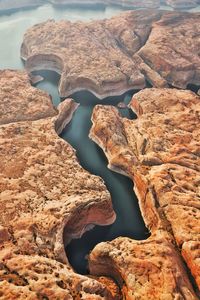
(43, 190)
(160, 152)
(109, 57)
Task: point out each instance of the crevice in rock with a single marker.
(129, 221)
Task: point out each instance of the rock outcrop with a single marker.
(149, 269)
(43, 190)
(14, 88)
(159, 151)
(118, 54)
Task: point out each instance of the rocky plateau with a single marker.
(160, 152)
(126, 52)
(43, 190)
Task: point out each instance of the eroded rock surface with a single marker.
(144, 269)
(160, 152)
(118, 54)
(14, 88)
(42, 190)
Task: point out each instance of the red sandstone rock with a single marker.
(43, 190)
(160, 152)
(118, 54)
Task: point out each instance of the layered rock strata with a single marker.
(43, 190)
(118, 54)
(159, 151)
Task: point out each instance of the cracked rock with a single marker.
(160, 152)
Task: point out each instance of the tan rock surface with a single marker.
(160, 152)
(148, 269)
(14, 87)
(108, 69)
(43, 190)
(172, 48)
(124, 51)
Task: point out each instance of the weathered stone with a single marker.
(160, 152)
(20, 101)
(108, 69)
(148, 269)
(43, 190)
(6, 5)
(172, 49)
(124, 51)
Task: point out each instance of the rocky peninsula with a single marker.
(43, 190)
(158, 47)
(159, 151)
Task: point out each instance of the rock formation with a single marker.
(13, 107)
(149, 269)
(42, 190)
(124, 51)
(160, 152)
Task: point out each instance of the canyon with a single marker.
(43, 189)
(47, 197)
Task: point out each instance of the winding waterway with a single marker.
(129, 221)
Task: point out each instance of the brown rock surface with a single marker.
(172, 48)
(14, 87)
(43, 190)
(160, 152)
(124, 51)
(148, 269)
(108, 69)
